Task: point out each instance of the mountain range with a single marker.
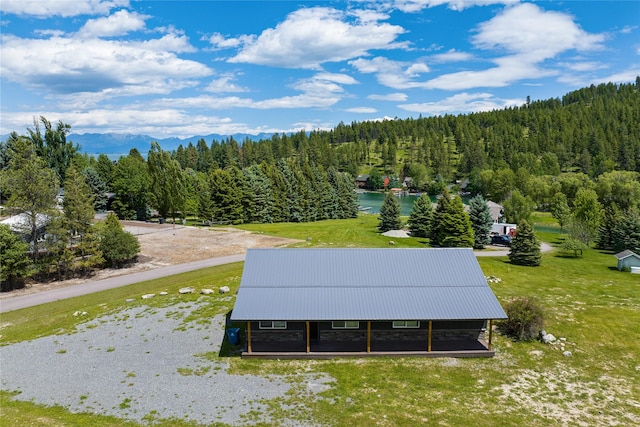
(116, 144)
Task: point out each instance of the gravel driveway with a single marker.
(141, 364)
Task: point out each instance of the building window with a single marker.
(345, 324)
(406, 323)
(273, 324)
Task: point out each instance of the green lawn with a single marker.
(589, 303)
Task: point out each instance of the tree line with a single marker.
(577, 157)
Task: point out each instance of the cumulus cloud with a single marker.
(63, 8)
(62, 65)
(527, 29)
(389, 97)
(462, 103)
(310, 37)
(120, 23)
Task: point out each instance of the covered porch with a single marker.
(305, 345)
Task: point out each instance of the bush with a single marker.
(526, 319)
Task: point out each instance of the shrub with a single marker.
(526, 319)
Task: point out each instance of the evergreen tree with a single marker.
(525, 248)
(99, 188)
(421, 217)
(627, 234)
(227, 202)
(390, 214)
(259, 190)
(438, 230)
(15, 264)
(451, 226)
(457, 226)
(481, 221)
(611, 219)
(117, 245)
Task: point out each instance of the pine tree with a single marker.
(117, 245)
(457, 226)
(481, 221)
(525, 249)
(421, 217)
(14, 261)
(438, 231)
(390, 214)
(451, 226)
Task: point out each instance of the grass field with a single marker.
(589, 303)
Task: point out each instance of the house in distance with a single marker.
(323, 303)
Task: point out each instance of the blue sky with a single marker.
(184, 68)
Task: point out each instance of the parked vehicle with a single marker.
(502, 239)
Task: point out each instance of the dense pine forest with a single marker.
(577, 156)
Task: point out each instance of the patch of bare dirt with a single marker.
(165, 244)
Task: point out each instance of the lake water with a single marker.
(374, 201)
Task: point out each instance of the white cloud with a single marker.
(451, 56)
(530, 36)
(363, 110)
(416, 69)
(98, 68)
(393, 74)
(389, 97)
(315, 92)
(224, 84)
(120, 23)
(219, 42)
(63, 8)
(627, 76)
(411, 6)
(462, 103)
(343, 79)
(582, 66)
(527, 29)
(312, 36)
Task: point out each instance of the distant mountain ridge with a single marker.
(115, 144)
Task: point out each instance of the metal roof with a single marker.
(625, 254)
(364, 284)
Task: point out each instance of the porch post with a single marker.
(248, 337)
(308, 339)
(369, 336)
(429, 342)
(490, 333)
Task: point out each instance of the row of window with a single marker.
(339, 324)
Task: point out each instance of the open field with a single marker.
(589, 303)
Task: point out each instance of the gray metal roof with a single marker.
(364, 284)
(625, 254)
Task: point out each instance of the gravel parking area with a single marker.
(141, 364)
